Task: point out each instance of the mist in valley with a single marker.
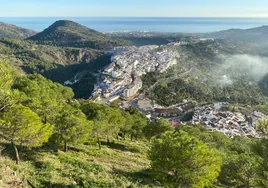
(251, 68)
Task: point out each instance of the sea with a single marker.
(151, 24)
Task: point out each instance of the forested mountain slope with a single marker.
(14, 32)
(71, 34)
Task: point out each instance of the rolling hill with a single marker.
(15, 32)
(70, 34)
(258, 34)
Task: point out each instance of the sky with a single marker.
(133, 8)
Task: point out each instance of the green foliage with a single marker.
(184, 161)
(7, 76)
(140, 121)
(34, 86)
(244, 159)
(7, 96)
(43, 96)
(156, 127)
(22, 126)
(261, 149)
(240, 170)
(262, 126)
(214, 140)
(107, 120)
(129, 123)
(72, 126)
(174, 92)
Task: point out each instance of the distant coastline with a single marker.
(152, 24)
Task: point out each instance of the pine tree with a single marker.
(21, 126)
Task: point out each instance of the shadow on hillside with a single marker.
(143, 177)
(61, 73)
(25, 153)
(121, 147)
(56, 185)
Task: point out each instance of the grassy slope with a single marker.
(122, 164)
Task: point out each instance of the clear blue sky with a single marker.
(128, 8)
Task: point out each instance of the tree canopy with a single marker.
(184, 161)
(156, 127)
(7, 96)
(72, 126)
(21, 126)
(43, 96)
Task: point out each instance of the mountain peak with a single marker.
(65, 23)
(71, 34)
(69, 24)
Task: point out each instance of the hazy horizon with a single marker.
(153, 24)
(140, 8)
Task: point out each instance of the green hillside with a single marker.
(60, 53)
(14, 32)
(71, 34)
(48, 139)
(253, 35)
(217, 71)
(56, 63)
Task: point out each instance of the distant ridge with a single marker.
(258, 34)
(15, 32)
(71, 34)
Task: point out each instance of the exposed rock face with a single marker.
(78, 56)
(84, 56)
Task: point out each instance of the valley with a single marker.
(115, 109)
(166, 70)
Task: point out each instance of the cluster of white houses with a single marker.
(213, 117)
(229, 123)
(134, 87)
(128, 63)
